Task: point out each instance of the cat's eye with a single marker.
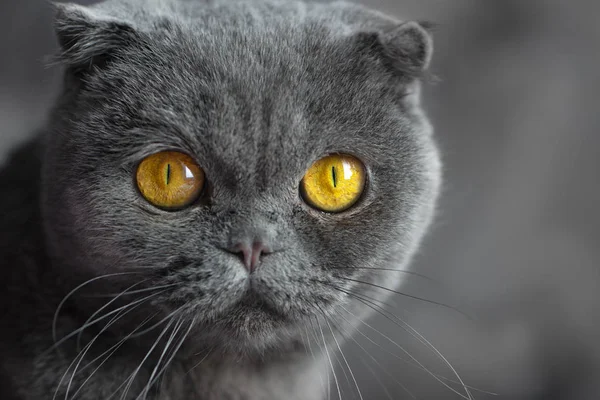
(170, 180)
(334, 183)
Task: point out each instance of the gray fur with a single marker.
(256, 92)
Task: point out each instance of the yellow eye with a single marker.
(170, 180)
(334, 183)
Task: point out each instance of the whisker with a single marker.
(201, 361)
(312, 354)
(372, 306)
(159, 323)
(409, 296)
(112, 350)
(119, 343)
(75, 332)
(439, 354)
(64, 300)
(330, 362)
(342, 367)
(467, 386)
(102, 309)
(415, 334)
(342, 353)
(468, 397)
(414, 360)
(404, 271)
(134, 291)
(387, 393)
(374, 359)
(79, 358)
(173, 354)
(317, 342)
(164, 352)
(129, 380)
(442, 377)
(335, 356)
(423, 341)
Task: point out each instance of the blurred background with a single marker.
(517, 241)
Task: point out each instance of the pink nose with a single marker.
(250, 254)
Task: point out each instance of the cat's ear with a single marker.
(88, 37)
(406, 48)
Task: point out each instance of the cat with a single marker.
(112, 288)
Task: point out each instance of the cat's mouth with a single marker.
(254, 303)
(249, 323)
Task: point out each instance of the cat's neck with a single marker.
(301, 377)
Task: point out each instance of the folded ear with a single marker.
(409, 45)
(406, 48)
(87, 36)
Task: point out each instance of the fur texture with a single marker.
(256, 92)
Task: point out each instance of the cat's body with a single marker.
(257, 92)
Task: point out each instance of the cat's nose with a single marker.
(250, 253)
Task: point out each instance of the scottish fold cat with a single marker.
(220, 192)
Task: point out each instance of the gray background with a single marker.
(517, 242)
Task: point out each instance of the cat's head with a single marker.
(247, 98)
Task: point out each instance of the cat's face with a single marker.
(254, 107)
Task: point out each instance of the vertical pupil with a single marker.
(168, 173)
(333, 176)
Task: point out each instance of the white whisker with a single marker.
(173, 354)
(112, 350)
(75, 332)
(128, 293)
(102, 309)
(200, 362)
(162, 355)
(159, 323)
(421, 339)
(344, 357)
(375, 360)
(387, 393)
(313, 355)
(318, 343)
(79, 358)
(407, 353)
(130, 379)
(330, 362)
(64, 300)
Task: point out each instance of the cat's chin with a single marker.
(251, 326)
(253, 317)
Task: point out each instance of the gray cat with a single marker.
(220, 190)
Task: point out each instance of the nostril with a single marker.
(258, 250)
(261, 248)
(244, 251)
(250, 254)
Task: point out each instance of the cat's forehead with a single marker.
(295, 91)
(263, 88)
(255, 49)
